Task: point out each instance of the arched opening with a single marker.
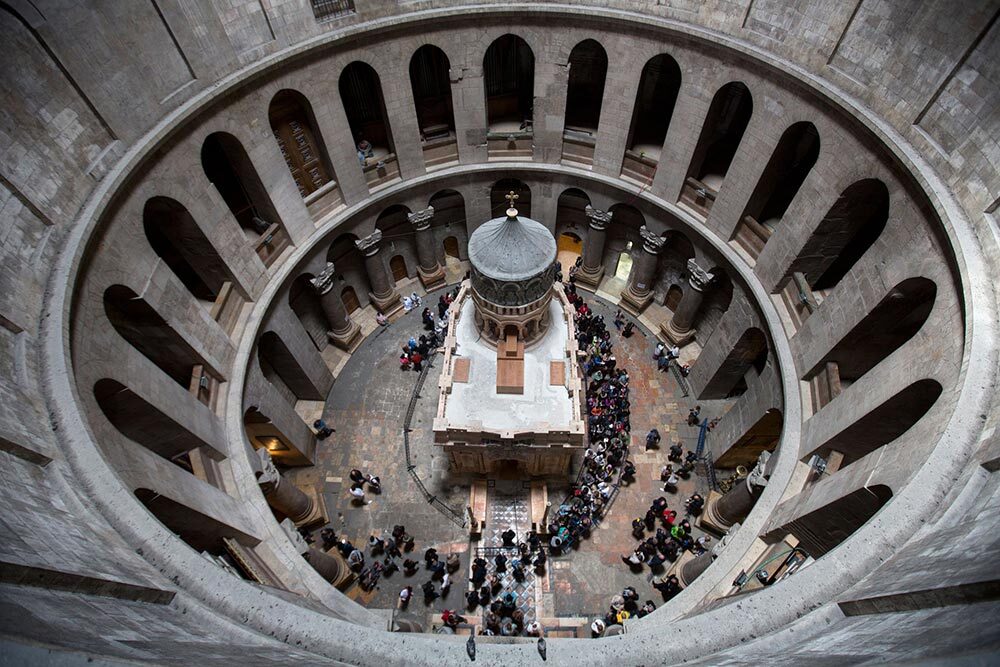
(822, 530)
(790, 164)
(509, 72)
(623, 267)
(571, 226)
(673, 298)
(304, 302)
(718, 297)
(569, 248)
(431, 85)
(141, 326)
(146, 425)
(451, 247)
(398, 267)
(350, 299)
(623, 239)
(227, 165)
(263, 433)
(727, 120)
(200, 531)
(893, 321)
(361, 94)
(659, 85)
(283, 371)
(299, 140)
(850, 228)
(750, 351)
(588, 69)
(350, 268)
(763, 436)
(498, 197)
(883, 424)
(177, 240)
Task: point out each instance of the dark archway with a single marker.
(822, 530)
(304, 302)
(361, 94)
(228, 167)
(750, 351)
(588, 69)
(727, 120)
(431, 85)
(509, 75)
(659, 85)
(763, 436)
(178, 240)
(283, 371)
(295, 130)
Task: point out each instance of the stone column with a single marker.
(721, 513)
(331, 568)
(690, 570)
(383, 293)
(680, 328)
(592, 269)
(282, 495)
(428, 269)
(639, 292)
(344, 331)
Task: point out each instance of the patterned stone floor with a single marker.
(367, 406)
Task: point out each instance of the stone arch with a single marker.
(449, 222)
(790, 163)
(721, 134)
(282, 370)
(143, 423)
(142, 327)
(849, 229)
(659, 85)
(762, 436)
(588, 69)
(509, 80)
(823, 529)
(431, 86)
(750, 351)
(178, 240)
(227, 165)
(294, 127)
(498, 203)
(883, 424)
(361, 94)
(198, 530)
(888, 326)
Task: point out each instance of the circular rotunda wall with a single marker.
(184, 288)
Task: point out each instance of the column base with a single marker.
(680, 339)
(346, 340)
(318, 516)
(710, 519)
(389, 304)
(635, 303)
(590, 278)
(431, 278)
(678, 565)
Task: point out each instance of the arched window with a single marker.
(792, 160)
(588, 68)
(499, 192)
(177, 240)
(145, 330)
(301, 144)
(659, 85)
(228, 167)
(361, 94)
(851, 226)
(720, 137)
(431, 83)
(509, 72)
(893, 321)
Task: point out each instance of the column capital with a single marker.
(599, 219)
(265, 471)
(369, 244)
(651, 243)
(323, 282)
(698, 277)
(421, 220)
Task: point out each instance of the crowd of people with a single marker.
(418, 348)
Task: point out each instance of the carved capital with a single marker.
(369, 244)
(323, 282)
(759, 475)
(599, 219)
(421, 220)
(698, 277)
(651, 243)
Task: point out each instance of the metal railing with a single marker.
(456, 516)
(327, 10)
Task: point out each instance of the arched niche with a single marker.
(283, 371)
(294, 126)
(431, 85)
(588, 69)
(361, 95)
(509, 77)
(750, 351)
(659, 85)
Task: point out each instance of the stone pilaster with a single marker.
(431, 273)
(639, 292)
(592, 270)
(383, 293)
(680, 329)
(344, 332)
